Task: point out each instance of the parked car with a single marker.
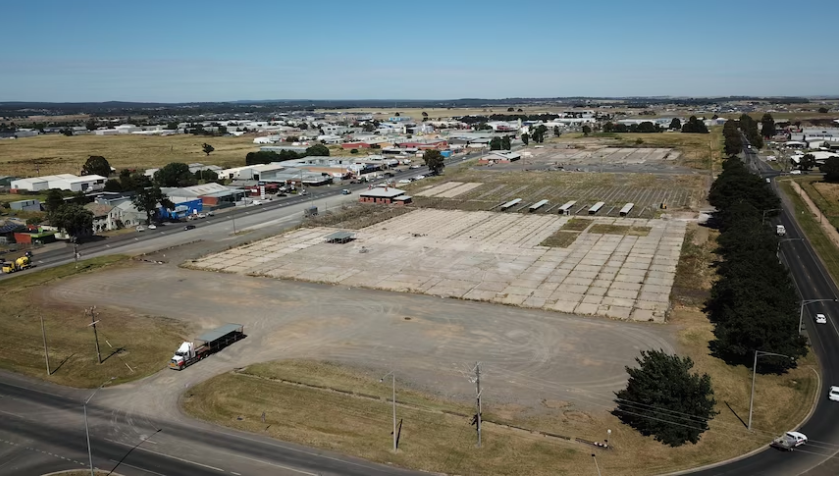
(415, 167)
(152, 227)
(189, 227)
(345, 191)
(211, 213)
(833, 394)
(201, 216)
(140, 228)
(821, 319)
(257, 202)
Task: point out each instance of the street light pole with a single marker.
(778, 247)
(393, 402)
(754, 374)
(86, 431)
(805, 302)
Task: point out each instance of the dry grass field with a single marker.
(132, 346)
(55, 154)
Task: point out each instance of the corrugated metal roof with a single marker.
(219, 332)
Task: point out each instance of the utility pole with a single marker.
(92, 312)
(478, 392)
(392, 375)
(46, 351)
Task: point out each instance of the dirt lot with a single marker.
(426, 338)
(55, 154)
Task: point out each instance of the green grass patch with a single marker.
(577, 224)
(560, 239)
(132, 346)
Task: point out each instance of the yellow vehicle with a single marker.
(19, 264)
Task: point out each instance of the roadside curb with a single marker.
(86, 471)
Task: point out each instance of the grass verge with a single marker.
(132, 346)
(345, 410)
(781, 401)
(825, 248)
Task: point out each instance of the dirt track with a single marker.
(527, 355)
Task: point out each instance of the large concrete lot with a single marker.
(482, 256)
(528, 355)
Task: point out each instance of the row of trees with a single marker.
(265, 157)
(694, 125)
(501, 143)
(753, 305)
(749, 128)
(645, 127)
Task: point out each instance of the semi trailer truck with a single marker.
(208, 343)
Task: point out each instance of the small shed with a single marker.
(340, 237)
(25, 205)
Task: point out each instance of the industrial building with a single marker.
(61, 182)
(385, 196)
(25, 205)
(500, 156)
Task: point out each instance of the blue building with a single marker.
(181, 210)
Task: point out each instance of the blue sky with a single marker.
(172, 51)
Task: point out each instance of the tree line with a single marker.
(265, 157)
(753, 304)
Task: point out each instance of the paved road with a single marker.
(222, 224)
(812, 282)
(42, 430)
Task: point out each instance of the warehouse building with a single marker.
(25, 205)
(61, 182)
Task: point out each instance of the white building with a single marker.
(62, 182)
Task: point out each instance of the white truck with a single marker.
(789, 441)
(208, 343)
(780, 230)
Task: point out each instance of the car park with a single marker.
(833, 394)
(821, 319)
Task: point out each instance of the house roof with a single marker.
(98, 209)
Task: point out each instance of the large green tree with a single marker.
(495, 143)
(96, 165)
(694, 125)
(665, 400)
(434, 160)
(830, 168)
(208, 148)
(53, 201)
(149, 199)
(525, 138)
(767, 128)
(317, 150)
(74, 219)
(675, 124)
(506, 143)
(174, 175)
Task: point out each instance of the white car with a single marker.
(797, 438)
(420, 177)
(833, 394)
(415, 167)
(201, 216)
(256, 202)
(152, 227)
(821, 319)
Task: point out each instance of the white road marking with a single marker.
(11, 414)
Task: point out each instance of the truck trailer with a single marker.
(205, 345)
